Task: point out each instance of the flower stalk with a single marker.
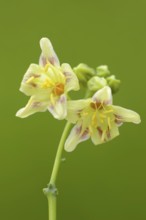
(51, 192)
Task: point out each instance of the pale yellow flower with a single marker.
(96, 118)
(48, 84)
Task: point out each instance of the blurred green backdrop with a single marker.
(107, 182)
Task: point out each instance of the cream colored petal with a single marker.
(113, 132)
(27, 85)
(99, 136)
(103, 95)
(58, 107)
(34, 105)
(75, 108)
(72, 82)
(48, 53)
(33, 80)
(75, 137)
(55, 75)
(96, 136)
(126, 115)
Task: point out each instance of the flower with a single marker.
(97, 118)
(48, 84)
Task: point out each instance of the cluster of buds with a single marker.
(48, 84)
(96, 79)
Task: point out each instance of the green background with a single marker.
(106, 182)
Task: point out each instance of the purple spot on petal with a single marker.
(79, 112)
(53, 60)
(67, 76)
(118, 119)
(36, 104)
(78, 129)
(85, 133)
(100, 131)
(108, 133)
(36, 75)
(62, 99)
(107, 102)
(96, 105)
(51, 107)
(44, 60)
(33, 84)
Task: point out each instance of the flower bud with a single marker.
(103, 71)
(84, 73)
(96, 83)
(113, 83)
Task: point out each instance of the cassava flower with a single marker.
(48, 84)
(96, 118)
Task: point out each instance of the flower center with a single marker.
(58, 89)
(96, 105)
(102, 115)
(47, 84)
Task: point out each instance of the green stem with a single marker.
(51, 191)
(59, 154)
(52, 206)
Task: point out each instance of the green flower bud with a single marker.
(84, 73)
(113, 83)
(96, 83)
(103, 71)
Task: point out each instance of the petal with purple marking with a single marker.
(57, 107)
(72, 82)
(112, 133)
(33, 81)
(48, 54)
(75, 137)
(34, 105)
(96, 136)
(75, 108)
(103, 95)
(126, 115)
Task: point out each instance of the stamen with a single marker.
(52, 99)
(94, 120)
(48, 83)
(30, 79)
(102, 115)
(103, 136)
(109, 122)
(108, 111)
(46, 66)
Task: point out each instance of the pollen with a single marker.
(58, 89)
